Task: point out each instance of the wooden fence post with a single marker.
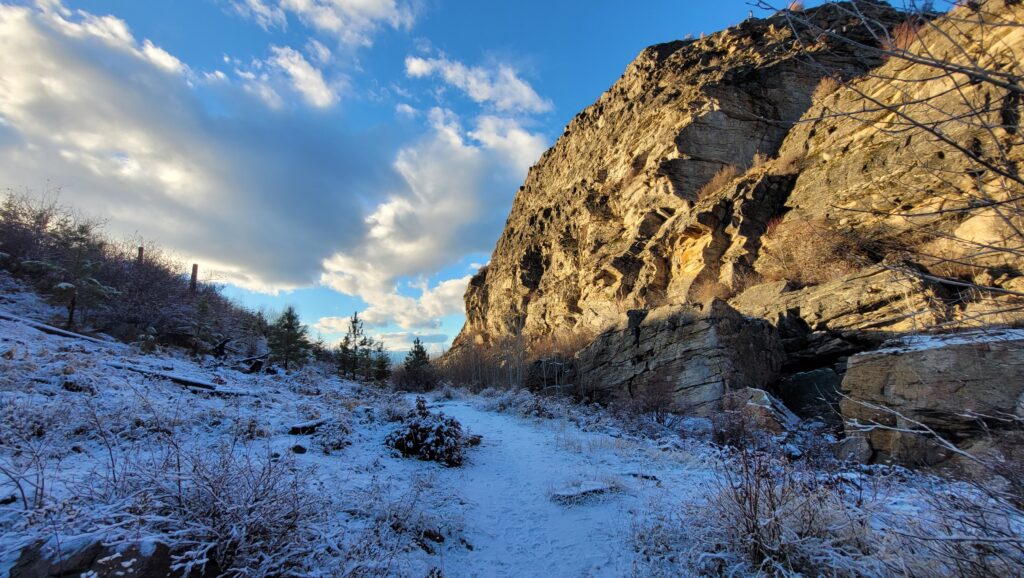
(193, 285)
(142, 251)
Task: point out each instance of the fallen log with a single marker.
(306, 428)
(51, 330)
(178, 379)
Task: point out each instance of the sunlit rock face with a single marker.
(669, 193)
(609, 218)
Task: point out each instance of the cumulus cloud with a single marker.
(270, 200)
(305, 78)
(500, 86)
(508, 138)
(450, 207)
(162, 58)
(85, 107)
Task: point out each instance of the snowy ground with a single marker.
(525, 503)
(538, 497)
(554, 489)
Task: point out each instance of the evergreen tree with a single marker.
(344, 357)
(288, 340)
(320, 351)
(360, 356)
(381, 363)
(419, 374)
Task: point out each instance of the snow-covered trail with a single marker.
(510, 519)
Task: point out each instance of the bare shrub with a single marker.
(723, 177)
(827, 86)
(735, 427)
(973, 527)
(764, 516)
(429, 436)
(650, 409)
(901, 37)
(106, 287)
(471, 365)
(788, 162)
(809, 252)
(552, 356)
(241, 513)
(760, 159)
(31, 438)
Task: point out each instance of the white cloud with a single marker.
(500, 87)
(402, 340)
(162, 58)
(508, 138)
(109, 29)
(448, 209)
(128, 129)
(317, 51)
(387, 306)
(332, 325)
(350, 22)
(305, 78)
(403, 109)
(266, 14)
(215, 76)
(86, 108)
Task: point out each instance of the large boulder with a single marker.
(944, 383)
(692, 357)
(98, 561)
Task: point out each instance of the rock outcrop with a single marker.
(962, 387)
(612, 217)
(681, 357)
(674, 188)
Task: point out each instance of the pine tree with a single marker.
(344, 357)
(381, 363)
(418, 371)
(288, 340)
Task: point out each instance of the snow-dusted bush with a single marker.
(387, 523)
(394, 408)
(243, 513)
(334, 435)
(429, 436)
(764, 516)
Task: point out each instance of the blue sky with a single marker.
(335, 155)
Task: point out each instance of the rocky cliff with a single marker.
(721, 187)
(610, 219)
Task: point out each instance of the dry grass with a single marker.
(760, 159)
(827, 86)
(809, 252)
(788, 162)
(901, 38)
(724, 176)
